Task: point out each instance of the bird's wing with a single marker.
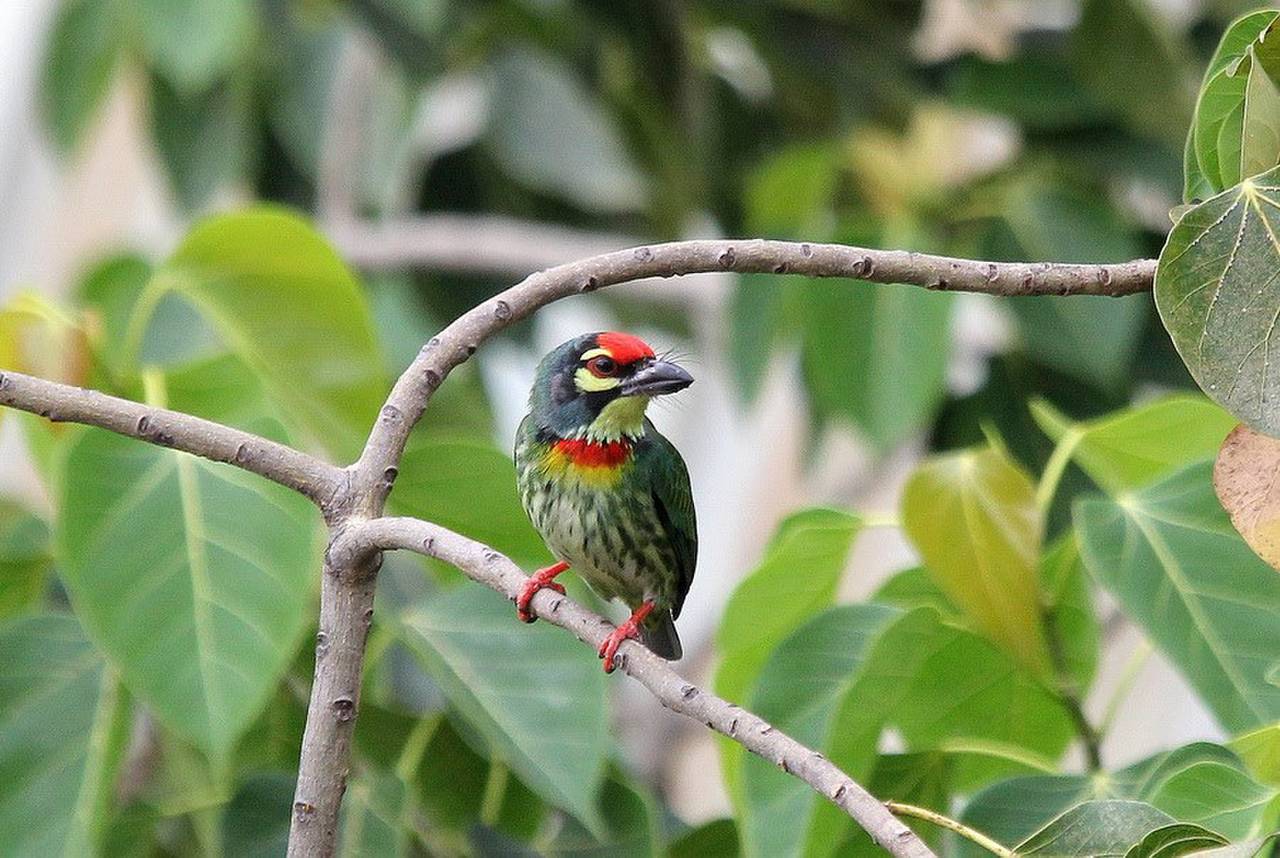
(673, 501)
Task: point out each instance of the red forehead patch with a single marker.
(624, 348)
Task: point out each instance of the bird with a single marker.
(607, 493)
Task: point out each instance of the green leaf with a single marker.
(876, 355)
(175, 333)
(915, 588)
(1217, 795)
(306, 63)
(1095, 828)
(1233, 133)
(759, 320)
(1260, 751)
(715, 839)
(296, 315)
(1180, 838)
(194, 42)
(1134, 447)
(1244, 849)
(973, 517)
(256, 822)
(1134, 65)
(1164, 553)
(1069, 612)
(790, 194)
(24, 558)
(86, 43)
(631, 826)
(204, 139)
(533, 693)
(62, 737)
(549, 133)
(373, 817)
(1036, 89)
(1214, 285)
(1260, 128)
(800, 691)
(795, 580)
(1093, 339)
(1013, 809)
(853, 670)
(195, 578)
(470, 487)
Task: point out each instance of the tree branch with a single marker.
(315, 479)
(362, 539)
(464, 243)
(459, 340)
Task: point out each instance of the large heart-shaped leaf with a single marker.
(61, 738)
(194, 577)
(1245, 476)
(1217, 288)
(286, 305)
(973, 516)
(533, 693)
(796, 579)
(1169, 555)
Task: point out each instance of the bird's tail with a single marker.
(658, 633)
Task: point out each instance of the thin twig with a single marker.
(315, 479)
(950, 824)
(360, 539)
(408, 399)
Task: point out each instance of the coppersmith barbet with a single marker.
(608, 494)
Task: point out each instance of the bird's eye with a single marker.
(602, 367)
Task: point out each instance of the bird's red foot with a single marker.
(629, 630)
(542, 579)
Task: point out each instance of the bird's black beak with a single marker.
(655, 378)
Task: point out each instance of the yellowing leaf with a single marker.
(1246, 479)
(974, 519)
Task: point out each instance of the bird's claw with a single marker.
(609, 649)
(525, 599)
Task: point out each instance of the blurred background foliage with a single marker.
(163, 717)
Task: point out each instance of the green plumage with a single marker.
(625, 525)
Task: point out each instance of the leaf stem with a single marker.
(1055, 468)
(1067, 692)
(935, 818)
(495, 790)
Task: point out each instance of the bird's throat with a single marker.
(623, 418)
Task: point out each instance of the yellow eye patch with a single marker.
(588, 382)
